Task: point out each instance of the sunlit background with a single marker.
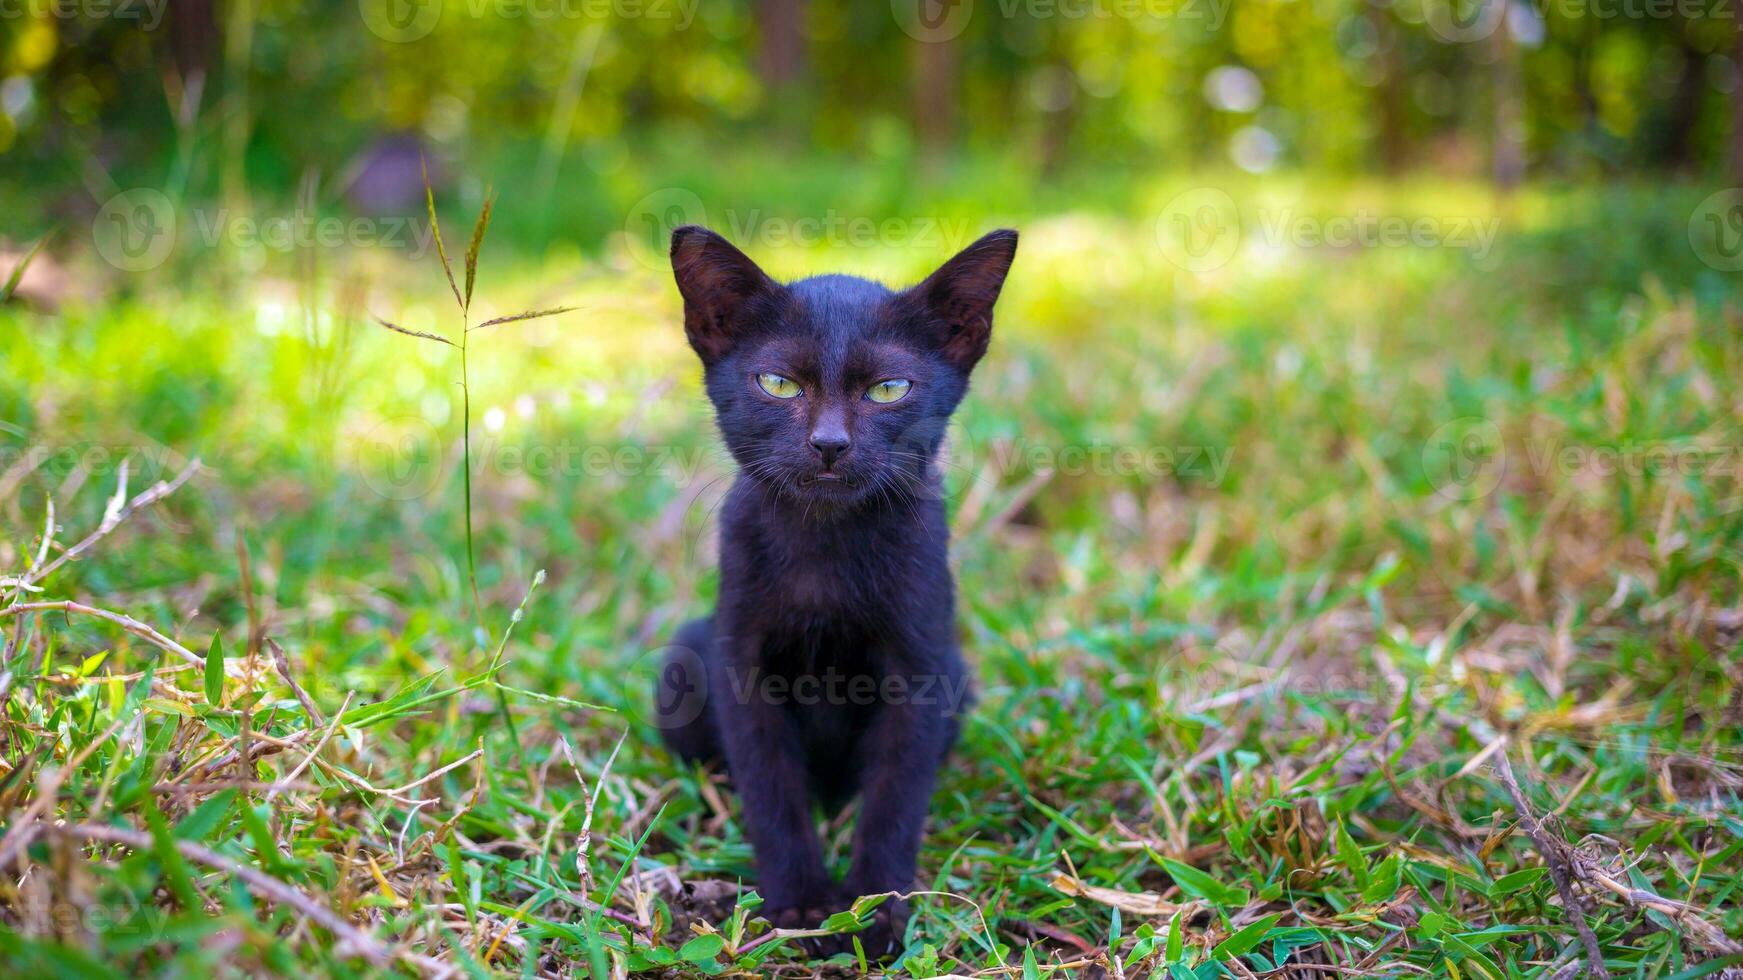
(578, 109)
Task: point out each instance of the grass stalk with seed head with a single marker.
(463, 299)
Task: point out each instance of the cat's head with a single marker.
(834, 389)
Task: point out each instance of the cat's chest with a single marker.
(807, 583)
(834, 581)
(864, 573)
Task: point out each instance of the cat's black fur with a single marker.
(830, 667)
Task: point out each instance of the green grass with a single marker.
(1242, 687)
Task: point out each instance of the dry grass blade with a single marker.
(127, 623)
(413, 333)
(532, 315)
(321, 743)
(1686, 916)
(47, 541)
(472, 249)
(112, 512)
(260, 883)
(1138, 903)
(439, 773)
(1556, 858)
(436, 233)
(1564, 860)
(584, 841)
(17, 275)
(113, 516)
(281, 663)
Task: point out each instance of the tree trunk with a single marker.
(1675, 150)
(934, 66)
(193, 37)
(1394, 142)
(1509, 108)
(782, 57)
(1736, 161)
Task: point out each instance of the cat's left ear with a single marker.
(959, 297)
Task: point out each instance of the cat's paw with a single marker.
(880, 939)
(807, 916)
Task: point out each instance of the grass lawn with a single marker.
(1269, 571)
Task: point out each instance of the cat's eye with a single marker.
(892, 390)
(778, 386)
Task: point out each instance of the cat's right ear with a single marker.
(717, 280)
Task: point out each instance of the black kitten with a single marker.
(830, 667)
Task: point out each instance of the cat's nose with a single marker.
(830, 443)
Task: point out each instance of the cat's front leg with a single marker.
(762, 754)
(900, 754)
